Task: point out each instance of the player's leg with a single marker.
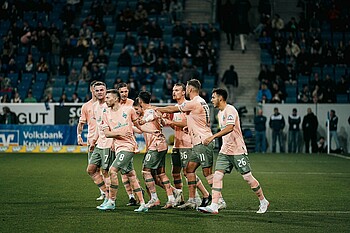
(176, 168)
(136, 188)
(93, 170)
(192, 184)
(206, 160)
(128, 189)
(151, 186)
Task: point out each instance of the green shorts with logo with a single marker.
(180, 156)
(124, 161)
(203, 155)
(102, 157)
(154, 159)
(227, 162)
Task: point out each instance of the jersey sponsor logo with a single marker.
(230, 118)
(125, 115)
(9, 137)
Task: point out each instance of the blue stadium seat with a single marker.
(342, 98)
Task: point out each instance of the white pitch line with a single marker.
(339, 156)
(294, 211)
(305, 173)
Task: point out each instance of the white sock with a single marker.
(171, 198)
(112, 202)
(131, 196)
(263, 200)
(154, 196)
(191, 199)
(102, 193)
(197, 194)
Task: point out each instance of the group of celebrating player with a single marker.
(113, 119)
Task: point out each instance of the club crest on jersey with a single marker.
(124, 115)
(230, 118)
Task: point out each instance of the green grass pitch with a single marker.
(53, 193)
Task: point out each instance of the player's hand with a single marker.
(208, 140)
(92, 147)
(80, 141)
(142, 122)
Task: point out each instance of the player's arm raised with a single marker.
(168, 109)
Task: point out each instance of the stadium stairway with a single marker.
(198, 11)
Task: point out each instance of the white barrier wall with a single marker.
(320, 110)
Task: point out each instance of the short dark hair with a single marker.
(194, 83)
(93, 83)
(99, 83)
(114, 92)
(121, 85)
(145, 96)
(136, 102)
(180, 85)
(222, 92)
(333, 111)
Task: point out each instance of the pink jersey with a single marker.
(99, 110)
(198, 119)
(182, 139)
(153, 142)
(121, 121)
(87, 116)
(232, 143)
(128, 102)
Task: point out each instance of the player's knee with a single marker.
(207, 172)
(248, 177)
(91, 170)
(218, 176)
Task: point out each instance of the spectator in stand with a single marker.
(16, 98)
(328, 57)
(342, 86)
(309, 125)
(75, 98)
(96, 73)
(148, 77)
(73, 77)
(124, 58)
(160, 67)
(333, 127)
(63, 99)
(63, 67)
(162, 50)
(291, 75)
(260, 132)
(277, 124)
(229, 23)
(294, 121)
(230, 79)
(292, 49)
(264, 94)
(316, 53)
(317, 94)
(242, 8)
(155, 32)
(304, 95)
(48, 98)
(176, 51)
(168, 86)
(108, 7)
(85, 75)
(5, 98)
(265, 42)
(175, 10)
(340, 53)
(140, 15)
(8, 117)
(30, 98)
(149, 58)
(277, 94)
(264, 74)
(292, 26)
(178, 30)
(277, 23)
(316, 81)
(42, 66)
(29, 65)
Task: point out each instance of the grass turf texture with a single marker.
(53, 193)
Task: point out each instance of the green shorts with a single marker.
(124, 161)
(227, 162)
(180, 156)
(102, 157)
(203, 155)
(154, 159)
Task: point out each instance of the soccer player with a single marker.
(198, 123)
(157, 148)
(125, 101)
(118, 124)
(182, 144)
(86, 117)
(233, 153)
(101, 147)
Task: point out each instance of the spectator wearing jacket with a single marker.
(260, 132)
(310, 124)
(294, 121)
(333, 127)
(277, 124)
